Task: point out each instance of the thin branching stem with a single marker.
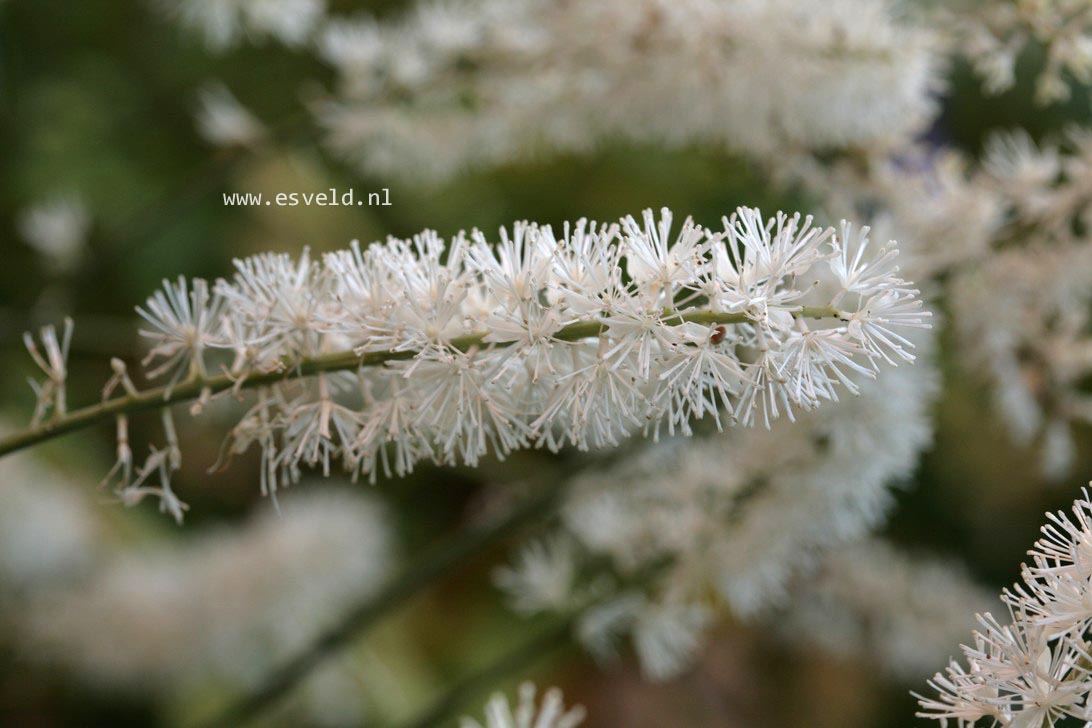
(557, 633)
(436, 562)
(194, 388)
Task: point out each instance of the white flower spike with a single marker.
(407, 350)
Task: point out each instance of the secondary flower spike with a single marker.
(1033, 668)
(381, 356)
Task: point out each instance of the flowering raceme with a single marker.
(475, 84)
(379, 357)
(1034, 669)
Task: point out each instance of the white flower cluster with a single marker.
(994, 34)
(216, 612)
(50, 355)
(736, 516)
(551, 714)
(1034, 669)
(541, 340)
(473, 84)
(871, 601)
(223, 23)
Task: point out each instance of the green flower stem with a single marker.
(194, 388)
(546, 640)
(435, 563)
(558, 633)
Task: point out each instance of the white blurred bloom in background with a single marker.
(223, 23)
(57, 229)
(221, 608)
(1006, 241)
(458, 85)
(872, 601)
(50, 531)
(544, 576)
(994, 35)
(1024, 314)
(224, 122)
(1033, 342)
